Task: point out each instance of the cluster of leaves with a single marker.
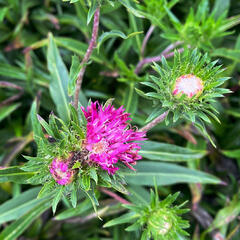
(157, 219)
(175, 155)
(202, 28)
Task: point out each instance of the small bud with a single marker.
(188, 84)
(61, 172)
(160, 223)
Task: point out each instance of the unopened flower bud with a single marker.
(61, 172)
(188, 84)
(160, 222)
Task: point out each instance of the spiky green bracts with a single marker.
(187, 88)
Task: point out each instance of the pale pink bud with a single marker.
(188, 84)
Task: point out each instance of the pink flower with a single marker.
(188, 84)
(110, 138)
(60, 171)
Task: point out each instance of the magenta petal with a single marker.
(60, 171)
(110, 138)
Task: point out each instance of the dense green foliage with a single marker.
(195, 152)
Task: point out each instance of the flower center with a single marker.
(188, 84)
(61, 174)
(99, 147)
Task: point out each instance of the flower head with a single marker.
(61, 172)
(188, 84)
(187, 88)
(158, 220)
(110, 138)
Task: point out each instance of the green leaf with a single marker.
(107, 35)
(92, 10)
(74, 195)
(74, 71)
(3, 12)
(91, 195)
(130, 8)
(14, 230)
(232, 54)
(125, 218)
(118, 186)
(130, 100)
(93, 174)
(134, 227)
(227, 214)
(203, 9)
(85, 182)
(7, 110)
(15, 174)
(71, 1)
(45, 126)
(138, 194)
(221, 7)
(232, 153)
(16, 207)
(169, 152)
(73, 212)
(59, 81)
(48, 188)
(166, 174)
(37, 129)
(57, 198)
(145, 235)
(155, 113)
(80, 49)
(13, 72)
(114, 33)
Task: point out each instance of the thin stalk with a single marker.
(154, 122)
(114, 196)
(91, 46)
(154, 59)
(145, 40)
(171, 47)
(13, 98)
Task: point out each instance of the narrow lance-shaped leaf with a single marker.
(227, 214)
(166, 174)
(114, 33)
(5, 111)
(14, 230)
(59, 81)
(37, 129)
(56, 199)
(92, 10)
(74, 71)
(15, 174)
(130, 100)
(16, 207)
(169, 152)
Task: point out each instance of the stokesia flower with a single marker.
(110, 138)
(61, 172)
(188, 84)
